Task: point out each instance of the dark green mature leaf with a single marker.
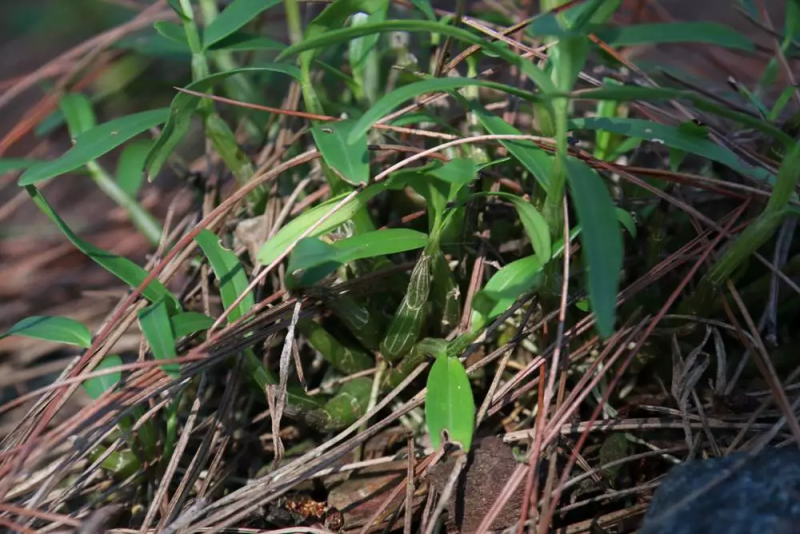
(97, 385)
(678, 138)
(626, 219)
(675, 32)
(379, 243)
(94, 143)
(449, 405)
(392, 100)
(130, 168)
(272, 249)
(348, 157)
(56, 329)
(312, 252)
(328, 36)
(601, 242)
(236, 15)
(533, 158)
(184, 105)
(157, 329)
(187, 323)
(229, 271)
(534, 224)
(122, 268)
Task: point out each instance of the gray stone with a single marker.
(760, 495)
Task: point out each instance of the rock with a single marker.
(491, 463)
(761, 495)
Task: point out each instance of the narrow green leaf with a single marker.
(679, 138)
(184, 105)
(56, 329)
(426, 8)
(378, 243)
(94, 143)
(324, 258)
(78, 112)
(130, 168)
(674, 32)
(333, 17)
(16, 164)
(533, 222)
(188, 323)
(449, 405)
(157, 329)
(538, 162)
(246, 42)
(328, 36)
(276, 246)
(349, 157)
(601, 242)
(236, 15)
(390, 101)
(229, 271)
(122, 268)
(97, 385)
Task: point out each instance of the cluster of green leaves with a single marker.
(411, 321)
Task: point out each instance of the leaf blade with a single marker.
(52, 328)
(600, 240)
(94, 143)
(449, 404)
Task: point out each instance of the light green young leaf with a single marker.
(122, 268)
(348, 157)
(229, 271)
(94, 143)
(188, 323)
(601, 242)
(449, 405)
(130, 168)
(538, 162)
(157, 329)
(457, 172)
(276, 246)
(97, 385)
(184, 105)
(56, 329)
(236, 15)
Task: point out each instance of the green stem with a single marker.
(755, 235)
(140, 217)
